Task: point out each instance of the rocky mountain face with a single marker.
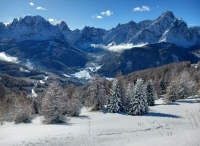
(166, 28)
(88, 36)
(153, 32)
(148, 56)
(179, 33)
(196, 31)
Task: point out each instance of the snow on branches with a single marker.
(114, 101)
(137, 104)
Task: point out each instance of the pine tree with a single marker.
(114, 101)
(128, 95)
(138, 103)
(150, 93)
(122, 90)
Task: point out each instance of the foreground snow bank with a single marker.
(164, 125)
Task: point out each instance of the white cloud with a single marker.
(6, 23)
(97, 16)
(107, 13)
(51, 19)
(117, 48)
(32, 4)
(143, 8)
(157, 6)
(40, 8)
(7, 58)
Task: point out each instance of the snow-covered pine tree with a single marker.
(138, 103)
(122, 89)
(150, 93)
(114, 101)
(128, 95)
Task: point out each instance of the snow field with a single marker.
(164, 125)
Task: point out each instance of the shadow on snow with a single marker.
(186, 101)
(82, 117)
(161, 115)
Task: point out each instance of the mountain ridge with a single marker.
(161, 29)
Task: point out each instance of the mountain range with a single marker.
(166, 28)
(56, 48)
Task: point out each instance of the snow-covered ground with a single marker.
(175, 124)
(84, 73)
(33, 94)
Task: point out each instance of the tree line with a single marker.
(131, 94)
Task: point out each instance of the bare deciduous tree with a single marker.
(180, 87)
(53, 107)
(96, 96)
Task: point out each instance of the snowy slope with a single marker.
(164, 125)
(122, 33)
(155, 30)
(179, 34)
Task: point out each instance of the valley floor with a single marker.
(175, 124)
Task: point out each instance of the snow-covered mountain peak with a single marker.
(2, 27)
(179, 23)
(151, 31)
(165, 20)
(167, 14)
(118, 25)
(62, 26)
(2, 24)
(131, 22)
(179, 34)
(29, 28)
(130, 25)
(87, 30)
(28, 21)
(14, 23)
(32, 19)
(87, 36)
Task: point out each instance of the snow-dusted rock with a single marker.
(179, 34)
(29, 28)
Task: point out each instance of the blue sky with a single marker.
(99, 13)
